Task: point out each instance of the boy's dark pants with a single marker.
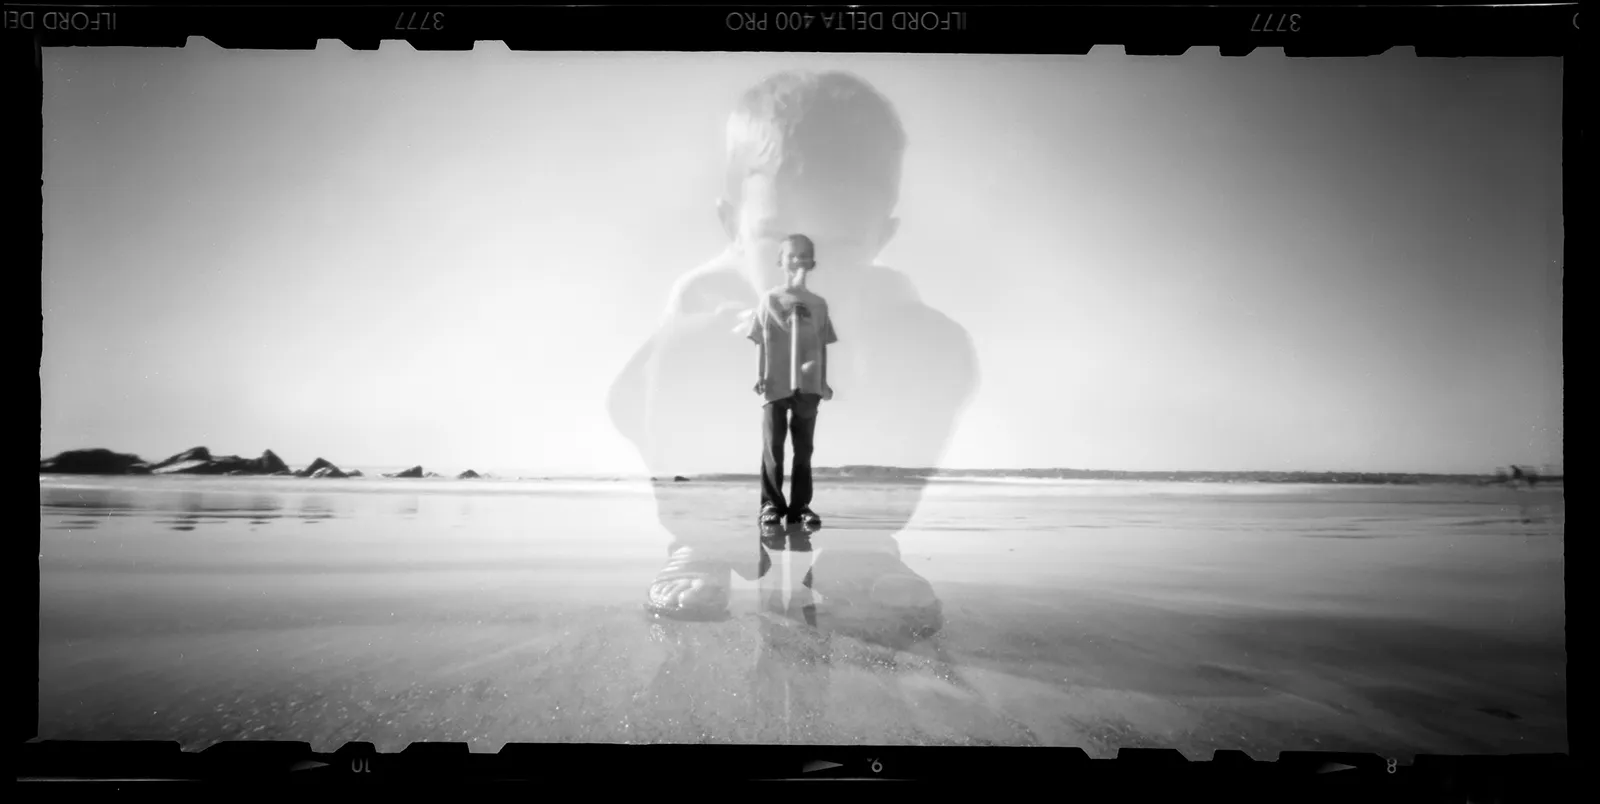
(798, 415)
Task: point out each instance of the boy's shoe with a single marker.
(770, 515)
(807, 517)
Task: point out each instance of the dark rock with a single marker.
(317, 464)
(328, 472)
(232, 464)
(93, 462)
(468, 475)
(433, 474)
(284, 473)
(269, 463)
(223, 465)
(188, 456)
(200, 461)
(353, 473)
(182, 468)
(679, 479)
(415, 471)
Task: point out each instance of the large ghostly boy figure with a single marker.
(819, 155)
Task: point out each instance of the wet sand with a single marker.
(1397, 620)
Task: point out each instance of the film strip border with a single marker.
(1542, 30)
(1301, 31)
(1535, 777)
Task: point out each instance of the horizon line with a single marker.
(1557, 468)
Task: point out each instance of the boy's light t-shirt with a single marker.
(769, 326)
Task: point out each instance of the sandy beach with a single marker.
(1397, 620)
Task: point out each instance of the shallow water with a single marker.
(1399, 620)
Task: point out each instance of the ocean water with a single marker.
(1397, 620)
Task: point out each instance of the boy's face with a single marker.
(796, 259)
(847, 226)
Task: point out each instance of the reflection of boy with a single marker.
(819, 154)
(792, 330)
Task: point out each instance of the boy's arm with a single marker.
(625, 402)
(753, 331)
(827, 393)
(706, 289)
(828, 336)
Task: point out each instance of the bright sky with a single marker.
(395, 258)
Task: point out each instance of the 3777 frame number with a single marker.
(419, 21)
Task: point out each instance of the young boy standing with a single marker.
(792, 330)
(819, 153)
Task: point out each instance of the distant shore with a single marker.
(890, 473)
(199, 461)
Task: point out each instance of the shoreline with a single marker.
(202, 462)
(1556, 484)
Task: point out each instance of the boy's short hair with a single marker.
(824, 125)
(798, 240)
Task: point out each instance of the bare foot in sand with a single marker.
(691, 586)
